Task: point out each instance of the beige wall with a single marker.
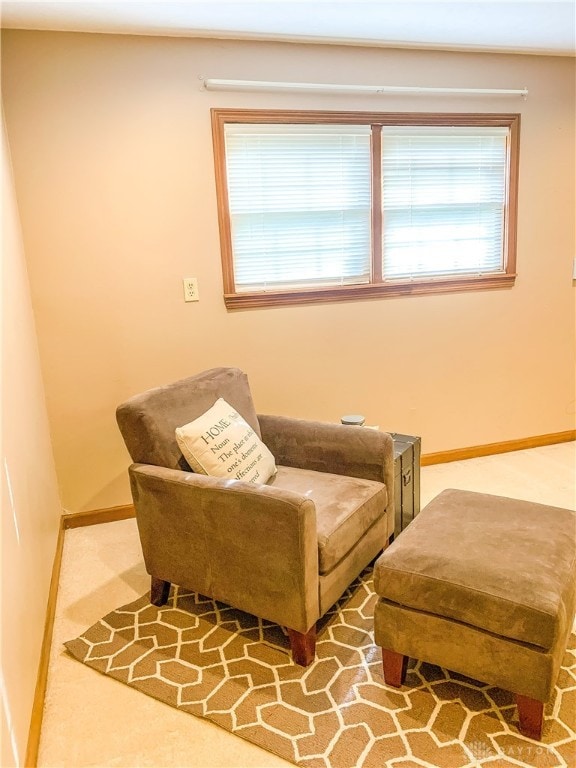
(114, 171)
(30, 503)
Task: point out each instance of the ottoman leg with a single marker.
(530, 712)
(394, 667)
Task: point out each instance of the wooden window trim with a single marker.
(377, 218)
(378, 287)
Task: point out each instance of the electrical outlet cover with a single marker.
(191, 289)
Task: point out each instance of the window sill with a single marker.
(256, 299)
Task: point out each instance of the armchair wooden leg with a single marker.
(394, 667)
(530, 714)
(159, 591)
(303, 646)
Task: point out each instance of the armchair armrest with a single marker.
(335, 448)
(252, 546)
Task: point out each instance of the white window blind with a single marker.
(444, 195)
(299, 203)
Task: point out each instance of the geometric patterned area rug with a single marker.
(213, 661)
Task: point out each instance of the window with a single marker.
(320, 206)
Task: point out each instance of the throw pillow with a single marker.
(221, 443)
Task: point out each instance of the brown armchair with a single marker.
(285, 550)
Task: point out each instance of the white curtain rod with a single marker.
(210, 84)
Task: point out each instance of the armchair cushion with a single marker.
(346, 507)
(220, 443)
(148, 421)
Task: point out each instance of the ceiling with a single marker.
(513, 26)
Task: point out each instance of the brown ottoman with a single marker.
(485, 586)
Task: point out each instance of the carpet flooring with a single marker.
(215, 662)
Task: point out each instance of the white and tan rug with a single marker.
(213, 661)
